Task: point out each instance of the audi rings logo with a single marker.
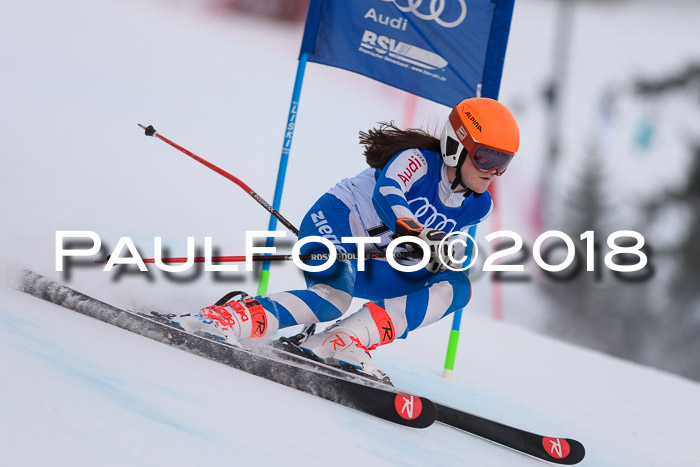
(437, 8)
(434, 219)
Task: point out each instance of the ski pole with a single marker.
(150, 131)
(240, 259)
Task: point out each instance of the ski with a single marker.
(299, 372)
(562, 451)
(382, 402)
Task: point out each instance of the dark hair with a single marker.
(383, 143)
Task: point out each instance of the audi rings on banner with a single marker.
(437, 7)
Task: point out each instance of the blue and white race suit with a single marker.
(412, 185)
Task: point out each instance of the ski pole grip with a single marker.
(407, 227)
(149, 130)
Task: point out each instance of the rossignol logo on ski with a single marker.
(556, 447)
(408, 407)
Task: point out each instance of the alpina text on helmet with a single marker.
(473, 120)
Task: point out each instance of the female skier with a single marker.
(416, 185)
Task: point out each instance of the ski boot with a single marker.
(347, 343)
(234, 317)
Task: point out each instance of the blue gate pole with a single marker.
(282, 172)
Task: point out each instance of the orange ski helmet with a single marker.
(483, 129)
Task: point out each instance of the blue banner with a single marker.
(442, 50)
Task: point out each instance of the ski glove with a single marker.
(432, 237)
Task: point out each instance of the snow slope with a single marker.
(88, 393)
(77, 76)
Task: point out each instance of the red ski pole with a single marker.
(150, 131)
(241, 259)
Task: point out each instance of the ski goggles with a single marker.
(484, 157)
